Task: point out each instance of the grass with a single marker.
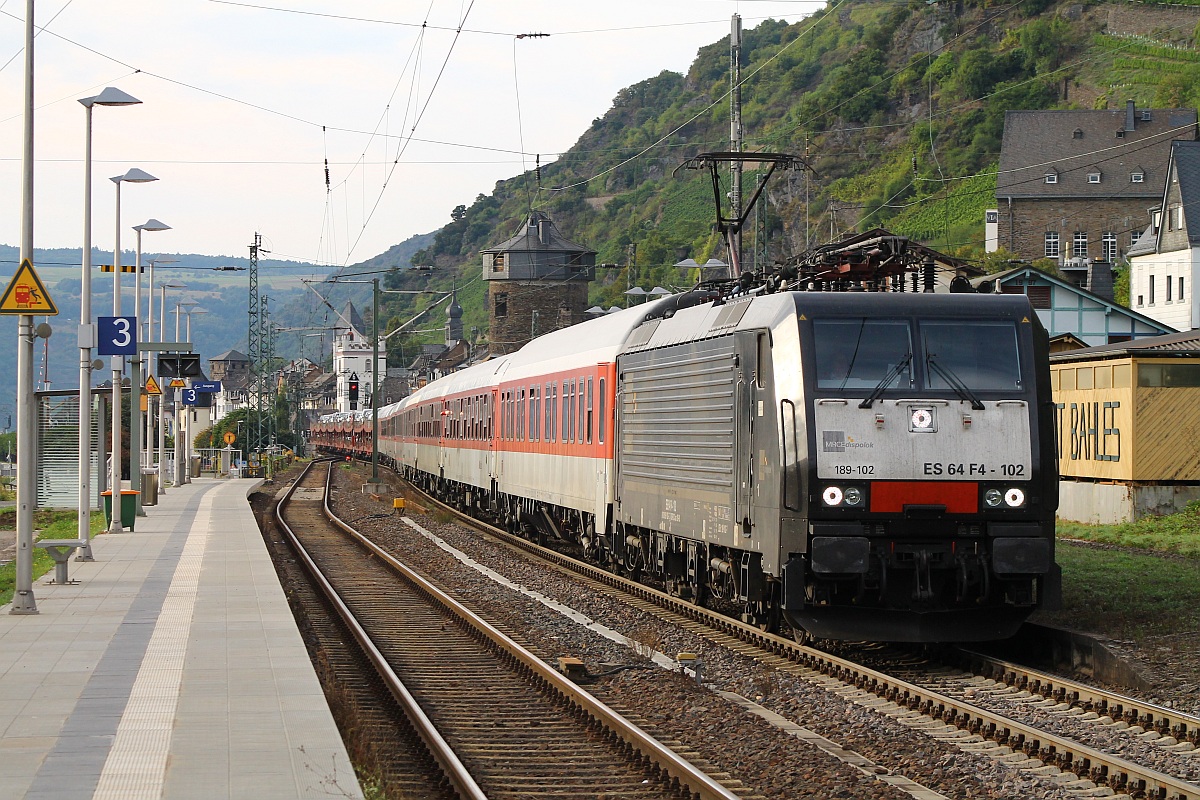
(53, 524)
(1175, 533)
(1124, 595)
(1131, 594)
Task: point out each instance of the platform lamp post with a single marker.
(135, 369)
(110, 96)
(134, 175)
(187, 442)
(154, 405)
(180, 417)
(162, 418)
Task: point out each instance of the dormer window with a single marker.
(1051, 177)
(1137, 177)
(1145, 115)
(1093, 177)
(1078, 134)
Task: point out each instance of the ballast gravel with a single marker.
(672, 705)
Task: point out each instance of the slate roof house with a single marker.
(1165, 263)
(1067, 310)
(1075, 186)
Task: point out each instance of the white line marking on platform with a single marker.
(137, 762)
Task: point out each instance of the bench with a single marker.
(60, 550)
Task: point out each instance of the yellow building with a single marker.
(1128, 427)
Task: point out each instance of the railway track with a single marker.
(971, 708)
(497, 721)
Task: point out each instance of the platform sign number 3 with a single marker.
(117, 336)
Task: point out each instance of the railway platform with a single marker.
(172, 669)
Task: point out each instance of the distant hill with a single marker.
(222, 294)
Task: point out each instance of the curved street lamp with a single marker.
(162, 418)
(110, 96)
(136, 379)
(134, 175)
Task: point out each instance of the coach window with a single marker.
(521, 414)
(537, 414)
(571, 412)
(564, 430)
(589, 412)
(602, 404)
(581, 427)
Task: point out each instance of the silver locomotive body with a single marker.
(871, 466)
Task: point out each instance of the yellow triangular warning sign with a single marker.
(26, 294)
(178, 383)
(152, 386)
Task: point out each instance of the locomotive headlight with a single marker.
(853, 496)
(1014, 498)
(993, 498)
(832, 496)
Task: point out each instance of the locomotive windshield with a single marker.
(962, 356)
(982, 356)
(859, 353)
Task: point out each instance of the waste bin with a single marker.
(149, 488)
(128, 507)
(195, 466)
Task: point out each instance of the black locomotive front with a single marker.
(930, 484)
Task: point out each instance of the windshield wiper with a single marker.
(892, 374)
(961, 389)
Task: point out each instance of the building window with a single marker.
(1052, 244)
(1177, 212)
(1110, 247)
(1039, 296)
(1133, 237)
(1079, 245)
(1078, 134)
(1051, 177)
(1180, 287)
(1169, 285)
(1151, 292)
(1093, 177)
(502, 304)
(1140, 303)
(1137, 177)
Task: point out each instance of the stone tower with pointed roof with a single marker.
(537, 283)
(454, 322)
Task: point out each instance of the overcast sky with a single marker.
(244, 102)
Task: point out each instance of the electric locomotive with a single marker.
(871, 465)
